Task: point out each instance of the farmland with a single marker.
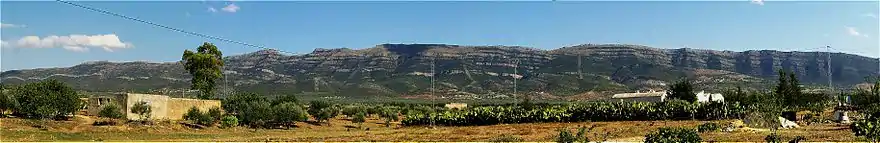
(340, 129)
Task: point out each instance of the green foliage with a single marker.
(389, 114)
(46, 99)
(111, 111)
(286, 98)
(579, 112)
(228, 122)
(240, 102)
(772, 138)
(205, 67)
(505, 138)
(708, 127)
(866, 97)
(143, 109)
(682, 90)
(359, 118)
(215, 113)
(196, 116)
(797, 139)
(322, 110)
(7, 100)
(350, 111)
(673, 135)
(257, 114)
(565, 136)
(288, 113)
(869, 129)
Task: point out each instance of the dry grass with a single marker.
(80, 129)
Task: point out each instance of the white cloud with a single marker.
(78, 43)
(854, 32)
(231, 8)
(4, 44)
(758, 2)
(871, 15)
(212, 9)
(7, 25)
(188, 14)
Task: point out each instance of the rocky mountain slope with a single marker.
(470, 71)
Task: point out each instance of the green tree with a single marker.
(7, 100)
(286, 98)
(111, 111)
(322, 110)
(228, 122)
(239, 102)
(389, 114)
(143, 109)
(289, 113)
(46, 99)
(682, 90)
(359, 118)
(205, 67)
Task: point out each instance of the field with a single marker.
(80, 129)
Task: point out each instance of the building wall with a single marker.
(641, 99)
(181, 105)
(158, 104)
(162, 107)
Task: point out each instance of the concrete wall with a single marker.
(162, 107)
(181, 105)
(158, 104)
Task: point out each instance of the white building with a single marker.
(706, 97)
(650, 96)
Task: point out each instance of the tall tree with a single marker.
(682, 90)
(205, 67)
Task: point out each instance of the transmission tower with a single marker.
(433, 59)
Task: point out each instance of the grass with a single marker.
(79, 129)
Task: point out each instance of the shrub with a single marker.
(143, 109)
(197, 117)
(316, 106)
(359, 118)
(389, 115)
(350, 111)
(565, 136)
(239, 102)
(257, 114)
(111, 111)
(215, 113)
(289, 113)
(708, 127)
(682, 90)
(228, 121)
(286, 99)
(46, 99)
(869, 129)
(772, 138)
(673, 135)
(7, 100)
(505, 138)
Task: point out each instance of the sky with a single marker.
(42, 34)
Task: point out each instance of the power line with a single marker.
(172, 28)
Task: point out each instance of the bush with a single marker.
(579, 112)
(869, 129)
(46, 99)
(215, 113)
(565, 136)
(708, 127)
(505, 138)
(389, 115)
(228, 121)
(772, 138)
(111, 111)
(322, 110)
(682, 90)
(7, 100)
(195, 116)
(258, 114)
(359, 118)
(673, 135)
(288, 114)
(143, 109)
(350, 111)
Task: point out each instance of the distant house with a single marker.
(456, 105)
(650, 96)
(706, 97)
(163, 107)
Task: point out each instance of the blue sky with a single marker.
(82, 35)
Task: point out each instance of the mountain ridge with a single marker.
(471, 71)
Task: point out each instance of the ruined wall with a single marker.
(93, 108)
(179, 106)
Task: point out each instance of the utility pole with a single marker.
(433, 59)
(830, 86)
(580, 69)
(515, 66)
